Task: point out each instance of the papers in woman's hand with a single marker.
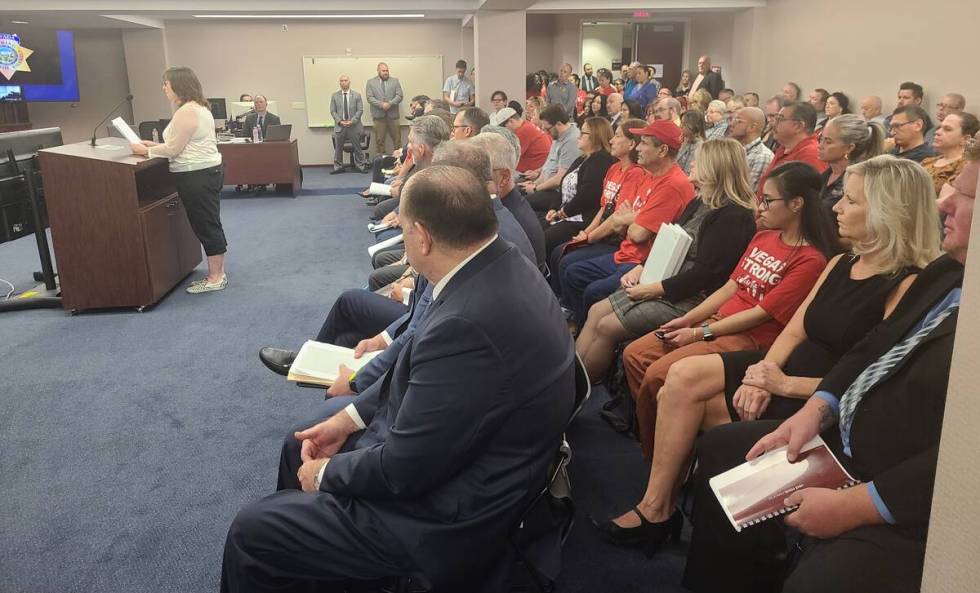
(667, 254)
(123, 128)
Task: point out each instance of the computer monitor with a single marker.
(219, 108)
(26, 143)
(10, 93)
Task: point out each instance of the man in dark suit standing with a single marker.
(384, 94)
(707, 79)
(261, 118)
(346, 109)
(880, 409)
(442, 454)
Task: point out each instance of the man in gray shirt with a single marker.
(563, 91)
(458, 90)
(544, 185)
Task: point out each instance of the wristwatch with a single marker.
(706, 334)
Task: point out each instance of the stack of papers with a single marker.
(380, 189)
(667, 254)
(396, 240)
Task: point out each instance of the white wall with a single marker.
(230, 60)
(861, 48)
(102, 83)
(601, 44)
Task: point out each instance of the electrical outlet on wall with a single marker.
(285, 27)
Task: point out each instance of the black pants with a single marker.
(560, 232)
(357, 315)
(542, 201)
(380, 163)
(199, 190)
(302, 542)
(872, 558)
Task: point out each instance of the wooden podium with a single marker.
(120, 233)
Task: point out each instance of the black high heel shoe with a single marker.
(647, 536)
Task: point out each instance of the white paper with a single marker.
(379, 189)
(320, 360)
(123, 128)
(667, 254)
(381, 226)
(396, 240)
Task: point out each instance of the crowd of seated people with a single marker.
(821, 247)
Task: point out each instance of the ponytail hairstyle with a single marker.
(796, 179)
(868, 138)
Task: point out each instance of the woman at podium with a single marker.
(190, 145)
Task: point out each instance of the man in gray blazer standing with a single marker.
(346, 109)
(384, 93)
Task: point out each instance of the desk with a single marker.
(263, 163)
(119, 230)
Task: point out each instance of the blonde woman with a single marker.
(721, 222)
(532, 110)
(700, 100)
(190, 144)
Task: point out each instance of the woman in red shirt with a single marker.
(772, 279)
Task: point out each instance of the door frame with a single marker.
(686, 20)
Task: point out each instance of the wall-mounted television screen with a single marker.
(39, 61)
(10, 93)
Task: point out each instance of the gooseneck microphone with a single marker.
(108, 115)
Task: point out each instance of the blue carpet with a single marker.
(128, 441)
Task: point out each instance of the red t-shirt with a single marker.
(805, 151)
(605, 90)
(535, 146)
(625, 184)
(776, 276)
(660, 199)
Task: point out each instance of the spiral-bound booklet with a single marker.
(756, 490)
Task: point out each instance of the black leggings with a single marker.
(199, 190)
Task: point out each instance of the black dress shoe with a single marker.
(277, 360)
(647, 536)
(337, 170)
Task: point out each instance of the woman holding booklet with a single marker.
(721, 221)
(888, 215)
(189, 142)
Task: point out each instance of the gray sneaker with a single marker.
(205, 286)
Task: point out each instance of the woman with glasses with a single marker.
(846, 140)
(581, 186)
(716, 119)
(950, 141)
(888, 214)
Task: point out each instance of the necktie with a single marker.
(261, 119)
(878, 369)
(346, 112)
(384, 89)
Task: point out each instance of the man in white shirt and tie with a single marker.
(346, 109)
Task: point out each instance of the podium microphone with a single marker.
(108, 115)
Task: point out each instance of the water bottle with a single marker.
(256, 134)
(156, 136)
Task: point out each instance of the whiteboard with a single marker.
(418, 75)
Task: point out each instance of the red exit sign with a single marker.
(641, 14)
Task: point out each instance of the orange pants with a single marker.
(647, 361)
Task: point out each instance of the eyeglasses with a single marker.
(766, 203)
(896, 125)
(780, 117)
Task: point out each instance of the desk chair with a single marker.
(349, 148)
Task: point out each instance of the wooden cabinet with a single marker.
(120, 233)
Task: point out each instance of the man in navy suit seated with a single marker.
(427, 471)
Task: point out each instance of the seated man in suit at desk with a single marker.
(346, 109)
(426, 473)
(261, 118)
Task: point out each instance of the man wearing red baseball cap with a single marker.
(660, 199)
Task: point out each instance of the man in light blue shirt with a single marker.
(458, 90)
